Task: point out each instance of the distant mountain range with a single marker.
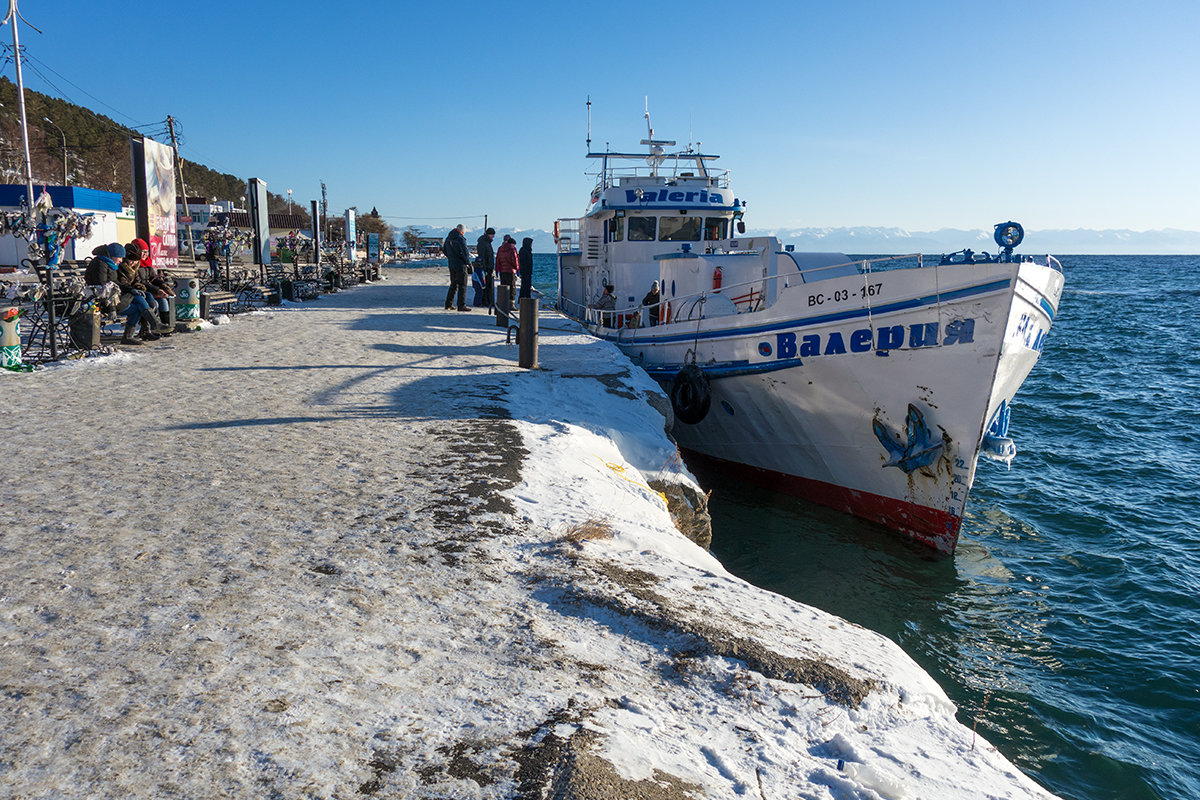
(1081, 241)
(887, 241)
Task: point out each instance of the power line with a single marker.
(155, 129)
(80, 88)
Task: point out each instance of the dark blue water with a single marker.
(1067, 624)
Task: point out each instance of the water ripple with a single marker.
(1065, 626)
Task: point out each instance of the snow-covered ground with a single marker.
(349, 549)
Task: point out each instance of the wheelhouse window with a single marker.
(716, 229)
(616, 229)
(679, 229)
(641, 229)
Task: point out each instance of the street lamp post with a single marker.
(64, 140)
(289, 191)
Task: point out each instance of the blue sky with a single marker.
(921, 115)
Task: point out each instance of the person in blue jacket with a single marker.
(133, 292)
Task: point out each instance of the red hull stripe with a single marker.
(929, 526)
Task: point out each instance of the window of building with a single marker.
(679, 229)
(641, 229)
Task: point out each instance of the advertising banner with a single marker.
(372, 248)
(351, 236)
(259, 221)
(154, 199)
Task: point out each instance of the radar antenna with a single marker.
(657, 151)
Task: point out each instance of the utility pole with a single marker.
(52, 325)
(12, 17)
(182, 185)
(325, 210)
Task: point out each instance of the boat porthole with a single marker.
(728, 408)
(764, 349)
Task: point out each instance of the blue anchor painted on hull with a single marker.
(919, 451)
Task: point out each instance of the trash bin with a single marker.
(10, 338)
(85, 329)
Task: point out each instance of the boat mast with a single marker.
(657, 152)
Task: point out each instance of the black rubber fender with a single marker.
(690, 395)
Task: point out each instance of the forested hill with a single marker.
(97, 150)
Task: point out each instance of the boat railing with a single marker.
(566, 235)
(747, 296)
(675, 166)
(615, 175)
(635, 317)
(864, 266)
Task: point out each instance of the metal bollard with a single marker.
(503, 305)
(527, 334)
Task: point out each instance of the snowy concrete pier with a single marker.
(348, 548)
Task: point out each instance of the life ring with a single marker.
(690, 395)
(555, 230)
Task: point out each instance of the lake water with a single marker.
(1066, 627)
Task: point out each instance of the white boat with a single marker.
(868, 385)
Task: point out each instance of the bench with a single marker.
(288, 288)
(81, 312)
(263, 288)
(217, 298)
(349, 272)
(310, 280)
(296, 287)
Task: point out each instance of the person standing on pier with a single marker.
(506, 263)
(487, 262)
(525, 260)
(459, 259)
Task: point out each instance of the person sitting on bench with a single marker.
(137, 309)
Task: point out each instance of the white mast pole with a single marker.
(52, 328)
(12, 17)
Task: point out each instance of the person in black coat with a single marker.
(487, 263)
(459, 259)
(525, 263)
